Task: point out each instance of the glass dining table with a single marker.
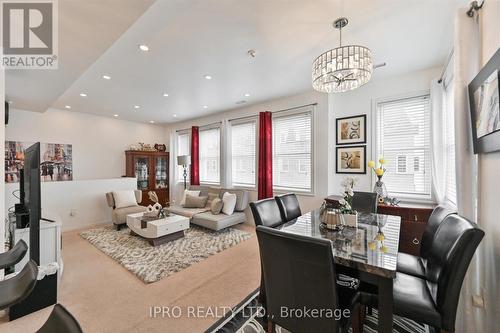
(371, 250)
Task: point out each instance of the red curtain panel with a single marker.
(265, 180)
(195, 156)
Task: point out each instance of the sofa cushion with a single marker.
(190, 192)
(218, 222)
(211, 197)
(203, 189)
(229, 202)
(120, 214)
(241, 198)
(216, 206)
(124, 198)
(187, 212)
(195, 201)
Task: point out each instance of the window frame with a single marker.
(180, 177)
(404, 197)
(229, 139)
(309, 109)
(206, 128)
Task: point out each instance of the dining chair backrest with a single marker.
(266, 212)
(18, 287)
(365, 202)
(438, 215)
(299, 273)
(14, 255)
(289, 206)
(60, 320)
(451, 252)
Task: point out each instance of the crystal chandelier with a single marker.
(343, 68)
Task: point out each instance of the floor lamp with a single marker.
(184, 161)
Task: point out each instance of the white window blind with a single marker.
(292, 151)
(210, 155)
(403, 135)
(243, 136)
(183, 148)
(449, 128)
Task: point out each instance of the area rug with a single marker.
(246, 317)
(151, 264)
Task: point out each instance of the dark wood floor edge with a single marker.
(222, 321)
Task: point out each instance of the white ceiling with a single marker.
(191, 38)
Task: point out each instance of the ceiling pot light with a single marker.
(137, 106)
(165, 95)
(115, 115)
(152, 121)
(205, 106)
(247, 95)
(174, 115)
(143, 47)
(106, 77)
(343, 68)
(67, 107)
(208, 77)
(83, 94)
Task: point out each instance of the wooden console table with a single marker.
(413, 223)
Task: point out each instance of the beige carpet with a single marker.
(105, 297)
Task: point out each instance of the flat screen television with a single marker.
(32, 197)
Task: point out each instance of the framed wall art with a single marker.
(351, 160)
(351, 130)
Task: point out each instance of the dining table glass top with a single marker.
(371, 247)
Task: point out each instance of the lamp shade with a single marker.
(183, 160)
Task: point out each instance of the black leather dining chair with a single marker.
(289, 206)
(61, 321)
(433, 300)
(415, 265)
(266, 212)
(18, 287)
(14, 255)
(299, 273)
(365, 202)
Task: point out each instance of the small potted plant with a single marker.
(349, 215)
(379, 187)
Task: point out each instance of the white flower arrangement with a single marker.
(345, 203)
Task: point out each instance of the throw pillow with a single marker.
(195, 201)
(216, 206)
(229, 201)
(193, 193)
(211, 197)
(124, 198)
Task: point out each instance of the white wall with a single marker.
(2, 167)
(85, 197)
(99, 145)
(361, 101)
(307, 202)
(489, 183)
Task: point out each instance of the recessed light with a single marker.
(247, 95)
(205, 106)
(137, 106)
(115, 115)
(106, 77)
(152, 121)
(165, 95)
(174, 115)
(208, 77)
(67, 107)
(143, 47)
(83, 94)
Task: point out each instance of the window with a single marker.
(210, 155)
(403, 136)
(183, 148)
(243, 142)
(292, 151)
(449, 121)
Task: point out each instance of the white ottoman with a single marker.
(160, 231)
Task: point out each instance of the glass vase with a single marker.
(380, 189)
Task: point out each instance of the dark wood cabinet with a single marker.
(413, 222)
(151, 170)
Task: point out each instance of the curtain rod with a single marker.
(277, 111)
(450, 56)
(474, 7)
(207, 125)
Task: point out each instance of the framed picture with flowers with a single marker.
(351, 160)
